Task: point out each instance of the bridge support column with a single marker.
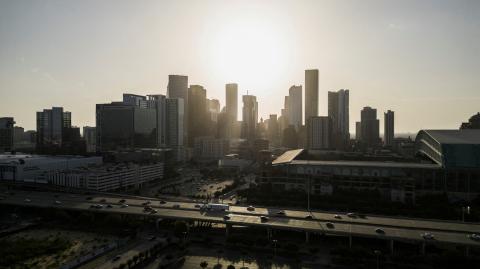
(467, 251)
(269, 233)
(228, 229)
(307, 237)
(422, 248)
(391, 246)
(350, 241)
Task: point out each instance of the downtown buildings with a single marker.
(6, 134)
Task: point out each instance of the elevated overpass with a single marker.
(392, 229)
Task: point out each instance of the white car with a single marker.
(337, 216)
(58, 202)
(352, 215)
(427, 236)
(124, 206)
(27, 200)
(475, 237)
(251, 208)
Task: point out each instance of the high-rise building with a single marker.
(338, 111)
(389, 128)
(90, 137)
(319, 132)
(231, 107)
(197, 113)
(370, 127)
(6, 134)
(358, 131)
(178, 88)
(159, 103)
(311, 93)
(135, 100)
(175, 118)
(51, 124)
(295, 106)
(273, 129)
(213, 107)
(249, 117)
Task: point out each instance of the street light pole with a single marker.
(377, 253)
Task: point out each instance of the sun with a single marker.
(250, 52)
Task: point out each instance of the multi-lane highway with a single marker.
(387, 228)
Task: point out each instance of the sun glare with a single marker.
(251, 53)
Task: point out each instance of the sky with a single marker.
(420, 59)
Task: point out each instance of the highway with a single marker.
(398, 229)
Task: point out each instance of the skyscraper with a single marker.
(90, 137)
(231, 107)
(311, 93)
(197, 113)
(338, 111)
(295, 106)
(6, 134)
(389, 128)
(50, 127)
(159, 103)
(178, 88)
(175, 118)
(370, 127)
(319, 132)
(249, 117)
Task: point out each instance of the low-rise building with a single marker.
(107, 177)
(210, 148)
(31, 168)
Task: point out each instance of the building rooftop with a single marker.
(367, 164)
(288, 156)
(465, 136)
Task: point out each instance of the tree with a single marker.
(129, 262)
(231, 266)
(135, 259)
(219, 252)
(204, 264)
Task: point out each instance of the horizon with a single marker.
(53, 56)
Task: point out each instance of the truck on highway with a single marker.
(216, 207)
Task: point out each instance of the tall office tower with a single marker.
(135, 100)
(338, 111)
(213, 109)
(389, 128)
(51, 124)
(231, 106)
(6, 134)
(197, 113)
(311, 93)
(295, 106)
(90, 137)
(273, 129)
(175, 122)
(159, 103)
(370, 133)
(319, 132)
(178, 88)
(358, 131)
(249, 117)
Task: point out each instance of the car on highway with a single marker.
(198, 205)
(146, 203)
(153, 211)
(89, 198)
(309, 217)
(124, 206)
(162, 202)
(251, 208)
(475, 237)
(97, 206)
(116, 258)
(103, 200)
(27, 200)
(337, 216)
(122, 201)
(264, 218)
(147, 208)
(226, 217)
(281, 213)
(109, 206)
(379, 231)
(352, 215)
(58, 202)
(330, 225)
(176, 206)
(428, 236)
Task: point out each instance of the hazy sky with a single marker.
(418, 58)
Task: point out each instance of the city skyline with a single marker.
(263, 48)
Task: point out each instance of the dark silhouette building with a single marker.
(338, 111)
(6, 134)
(250, 117)
(311, 93)
(370, 127)
(197, 113)
(389, 128)
(473, 122)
